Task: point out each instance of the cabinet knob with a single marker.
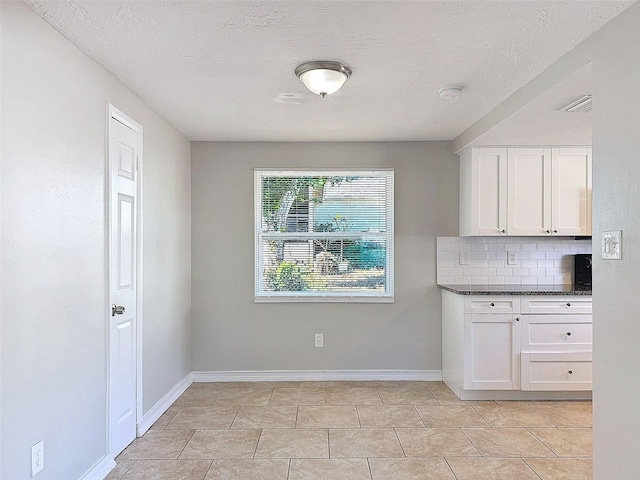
(517, 319)
(570, 372)
(493, 304)
(548, 231)
(568, 304)
(503, 231)
(555, 231)
(568, 334)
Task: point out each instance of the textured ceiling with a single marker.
(223, 70)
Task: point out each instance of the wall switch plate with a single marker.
(319, 340)
(37, 457)
(612, 245)
(512, 258)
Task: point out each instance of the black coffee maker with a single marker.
(582, 270)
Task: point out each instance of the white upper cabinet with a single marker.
(525, 191)
(529, 191)
(483, 192)
(571, 191)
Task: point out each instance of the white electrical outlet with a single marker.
(319, 340)
(464, 258)
(37, 457)
(512, 258)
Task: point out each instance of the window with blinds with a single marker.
(324, 235)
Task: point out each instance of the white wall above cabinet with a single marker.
(537, 191)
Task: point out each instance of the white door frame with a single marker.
(113, 112)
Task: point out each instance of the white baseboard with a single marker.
(165, 402)
(101, 469)
(316, 375)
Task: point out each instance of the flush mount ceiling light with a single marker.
(323, 78)
(450, 92)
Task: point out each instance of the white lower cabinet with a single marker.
(492, 343)
(557, 343)
(491, 351)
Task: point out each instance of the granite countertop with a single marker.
(517, 289)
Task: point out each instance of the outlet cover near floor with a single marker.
(37, 458)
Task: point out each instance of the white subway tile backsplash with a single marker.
(540, 260)
(495, 280)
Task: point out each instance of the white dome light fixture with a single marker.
(450, 92)
(323, 77)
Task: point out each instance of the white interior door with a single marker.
(124, 147)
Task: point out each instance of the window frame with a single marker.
(262, 296)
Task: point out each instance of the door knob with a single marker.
(117, 310)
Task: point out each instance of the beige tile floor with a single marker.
(358, 431)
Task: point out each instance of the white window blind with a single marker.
(324, 235)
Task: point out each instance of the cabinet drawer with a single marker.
(491, 304)
(556, 305)
(550, 371)
(541, 334)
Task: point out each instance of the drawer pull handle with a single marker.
(570, 372)
(493, 304)
(568, 333)
(568, 304)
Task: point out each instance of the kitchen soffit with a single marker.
(223, 70)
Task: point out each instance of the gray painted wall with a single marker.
(232, 333)
(616, 206)
(53, 249)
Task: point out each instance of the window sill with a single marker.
(323, 299)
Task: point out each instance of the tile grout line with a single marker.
(538, 439)
(450, 468)
(531, 468)
(471, 442)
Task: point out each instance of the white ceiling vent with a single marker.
(582, 104)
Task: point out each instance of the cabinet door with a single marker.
(492, 350)
(571, 191)
(483, 192)
(529, 191)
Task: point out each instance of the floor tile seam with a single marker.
(208, 469)
(450, 468)
(541, 441)
(257, 443)
(127, 471)
(531, 468)
(548, 419)
(399, 442)
(370, 471)
(174, 415)
(419, 416)
(471, 442)
(234, 417)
